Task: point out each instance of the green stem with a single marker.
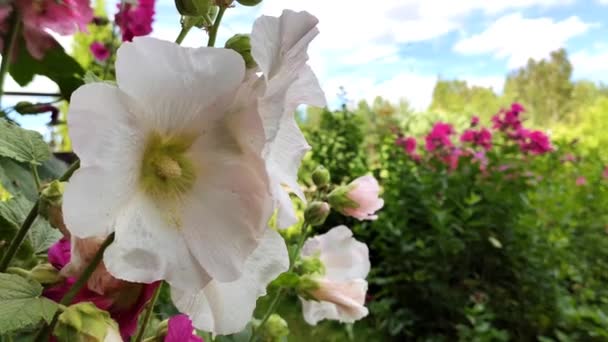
(9, 45)
(113, 48)
(182, 34)
(148, 316)
(78, 285)
(34, 169)
(19, 237)
(216, 26)
(68, 173)
(277, 296)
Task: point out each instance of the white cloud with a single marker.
(603, 2)
(591, 64)
(518, 38)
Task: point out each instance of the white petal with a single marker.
(175, 85)
(148, 247)
(344, 257)
(226, 213)
(348, 305)
(286, 215)
(226, 308)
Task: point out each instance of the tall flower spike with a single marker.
(279, 47)
(166, 161)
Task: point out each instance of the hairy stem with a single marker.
(216, 26)
(148, 315)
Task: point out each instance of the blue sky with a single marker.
(398, 48)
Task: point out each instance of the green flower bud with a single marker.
(321, 177)
(316, 213)
(312, 265)
(242, 44)
(249, 2)
(46, 274)
(84, 322)
(51, 199)
(25, 107)
(193, 8)
(306, 285)
(275, 329)
(339, 200)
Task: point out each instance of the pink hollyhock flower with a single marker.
(124, 301)
(481, 137)
(581, 180)
(180, 329)
(569, 157)
(439, 137)
(409, 146)
(480, 157)
(359, 199)
(508, 119)
(535, 142)
(135, 20)
(605, 173)
(453, 158)
(474, 121)
(64, 17)
(100, 51)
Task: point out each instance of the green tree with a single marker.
(457, 97)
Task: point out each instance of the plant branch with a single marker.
(9, 45)
(148, 316)
(216, 26)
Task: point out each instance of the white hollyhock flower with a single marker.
(226, 307)
(170, 162)
(279, 46)
(341, 290)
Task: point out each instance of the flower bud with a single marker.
(312, 265)
(84, 322)
(275, 329)
(321, 176)
(316, 213)
(249, 2)
(359, 199)
(46, 274)
(193, 8)
(306, 285)
(242, 45)
(51, 199)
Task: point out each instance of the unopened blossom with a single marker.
(341, 289)
(226, 307)
(605, 172)
(439, 137)
(481, 137)
(474, 121)
(100, 51)
(124, 301)
(180, 329)
(359, 199)
(135, 19)
(63, 17)
(581, 181)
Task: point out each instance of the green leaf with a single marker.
(21, 304)
(56, 64)
(21, 144)
(17, 178)
(41, 235)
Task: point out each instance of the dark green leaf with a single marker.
(21, 144)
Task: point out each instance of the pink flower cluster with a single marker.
(135, 20)
(38, 16)
(479, 139)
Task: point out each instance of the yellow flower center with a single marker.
(166, 170)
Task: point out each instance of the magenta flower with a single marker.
(439, 137)
(64, 17)
(409, 146)
(581, 180)
(135, 20)
(100, 51)
(474, 121)
(124, 302)
(508, 119)
(180, 329)
(481, 137)
(535, 142)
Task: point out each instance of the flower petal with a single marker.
(225, 308)
(149, 247)
(346, 306)
(230, 180)
(344, 257)
(177, 85)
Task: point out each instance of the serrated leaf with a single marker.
(21, 144)
(17, 178)
(21, 304)
(41, 235)
(495, 242)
